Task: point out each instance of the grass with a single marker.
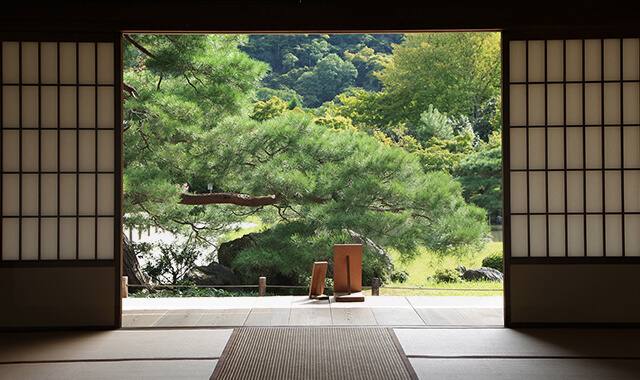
(424, 266)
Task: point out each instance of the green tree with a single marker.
(330, 77)
(269, 109)
(176, 97)
(459, 73)
(480, 174)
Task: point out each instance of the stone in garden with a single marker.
(483, 273)
(213, 274)
(229, 250)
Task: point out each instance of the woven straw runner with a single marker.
(313, 353)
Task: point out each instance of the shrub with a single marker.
(493, 261)
(399, 275)
(447, 275)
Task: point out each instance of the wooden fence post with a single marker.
(124, 287)
(262, 286)
(375, 287)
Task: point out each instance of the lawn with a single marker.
(424, 266)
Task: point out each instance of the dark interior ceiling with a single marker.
(317, 15)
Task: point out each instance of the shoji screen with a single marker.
(60, 187)
(572, 176)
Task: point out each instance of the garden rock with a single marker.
(483, 273)
(229, 251)
(213, 274)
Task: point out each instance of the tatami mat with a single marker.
(608, 343)
(111, 345)
(122, 370)
(526, 369)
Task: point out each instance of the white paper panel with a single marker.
(613, 225)
(68, 63)
(538, 226)
(30, 107)
(106, 249)
(612, 104)
(574, 148)
(10, 62)
(105, 63)
(537, 192)
(556, 235)
(48, 239)
(68, 151)
(593, 137)
(49, 194)
(106, 107)
(594, 191)
(87, 110)
(536, 58)
(10, 150)
(68, 238)
(613, 191)
(632, 191)
(106, 194)
(518, 192)
(632, 235)
(555, 152)
(10, 107)
(536, 104)
(518, 149)
(106, 151)
(518, 105)
(612, 156)
(575, 235)
(30, 238)
(537, 147)
(555, 104)
(30, 151)
(49, 151)
(574, 60)
(68, 193)
(87, 150)
(519, 236)
(87, 63)
(68, 107)
(593, 104)
(595, 246)
(612, 59)
(592, 60)
(30, 62)
(575, 186)
(10, 194)
(556, 191)
(49, 107)
(517, 61)
(86, 194)
(30, 195)
(631, 103)
(86, 238)
(631, 147)
(555, 60)
(631, 59)
(49, 62)
(574, 104)
(10, 239)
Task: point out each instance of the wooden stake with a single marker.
(262, 288)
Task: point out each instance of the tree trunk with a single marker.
(131, 267)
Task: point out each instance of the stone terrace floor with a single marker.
(302, 311)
